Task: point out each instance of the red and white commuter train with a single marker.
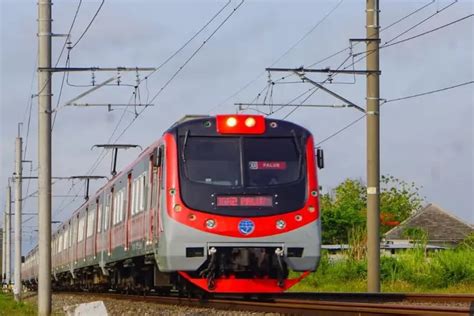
(227, 204)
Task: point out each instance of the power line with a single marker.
(421, 22)
(394, 100)
(89, 25)
(70, 30)
(383, 29)
(190, 39)
(428, 32)
(102, 155)
(349, 48)
(391, 43)
(341, 130)
(401, 41)
(429, 92)
(316, 89)
(313, 28)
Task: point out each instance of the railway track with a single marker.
(325, 303)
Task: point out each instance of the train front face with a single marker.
(241, 203)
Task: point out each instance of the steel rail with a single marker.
(322, 303)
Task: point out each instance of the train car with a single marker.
(225, 204)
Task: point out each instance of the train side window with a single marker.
(90, 222)
(118, 207)
(60, 240)
(134, 196)
(80, 234)
(71, 235)
(74, 231)
(108, 202)
(121, 213)
(99, 216)
(116, 210)
(66, 238)
(142, 184)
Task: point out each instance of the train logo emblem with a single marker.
(246, 226)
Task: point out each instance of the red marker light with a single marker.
(231, 121)
(250, 122)
(240, 124)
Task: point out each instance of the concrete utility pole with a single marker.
(4, 232)
(44, 157)
(373, 147)
(18, 197)
(8, 253)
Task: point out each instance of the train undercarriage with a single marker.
(140, 275)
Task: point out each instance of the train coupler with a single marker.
(210, 272)
(280, 268)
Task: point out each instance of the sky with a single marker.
(427, 140)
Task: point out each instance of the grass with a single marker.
(8, 306)
(448, 271)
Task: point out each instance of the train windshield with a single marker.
(212, 160)
(271, 161)
(246, 161)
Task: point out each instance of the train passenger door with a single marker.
(97, 230)
(128, 220)
(150, 207)
(108, 223)
(155, 171)
(158, 187)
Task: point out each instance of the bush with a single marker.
(390, 269)
(450, 267)
(410, 270)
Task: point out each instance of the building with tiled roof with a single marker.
(442, 228)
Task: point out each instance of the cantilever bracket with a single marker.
(320, 86)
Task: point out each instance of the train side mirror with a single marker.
(320, 158)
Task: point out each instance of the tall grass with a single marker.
(409, 270)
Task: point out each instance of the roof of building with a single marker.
(438, 223)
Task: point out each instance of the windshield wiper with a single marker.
(183, 150)
(298, 148)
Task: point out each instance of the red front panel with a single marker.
(227, 226)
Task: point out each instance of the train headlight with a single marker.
(231, 121)
(210, 223)
(177, 208)
(280, 224)
(250, 122)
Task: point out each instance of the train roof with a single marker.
(191, 120)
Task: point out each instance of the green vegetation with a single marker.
(8, 306)
(343, 216)
(345, 208)
(447, 271)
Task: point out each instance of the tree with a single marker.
(343, 211)
(345, 208)
(398, 200)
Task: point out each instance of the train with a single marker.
(219, 204)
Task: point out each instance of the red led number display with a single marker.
(244, 201)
